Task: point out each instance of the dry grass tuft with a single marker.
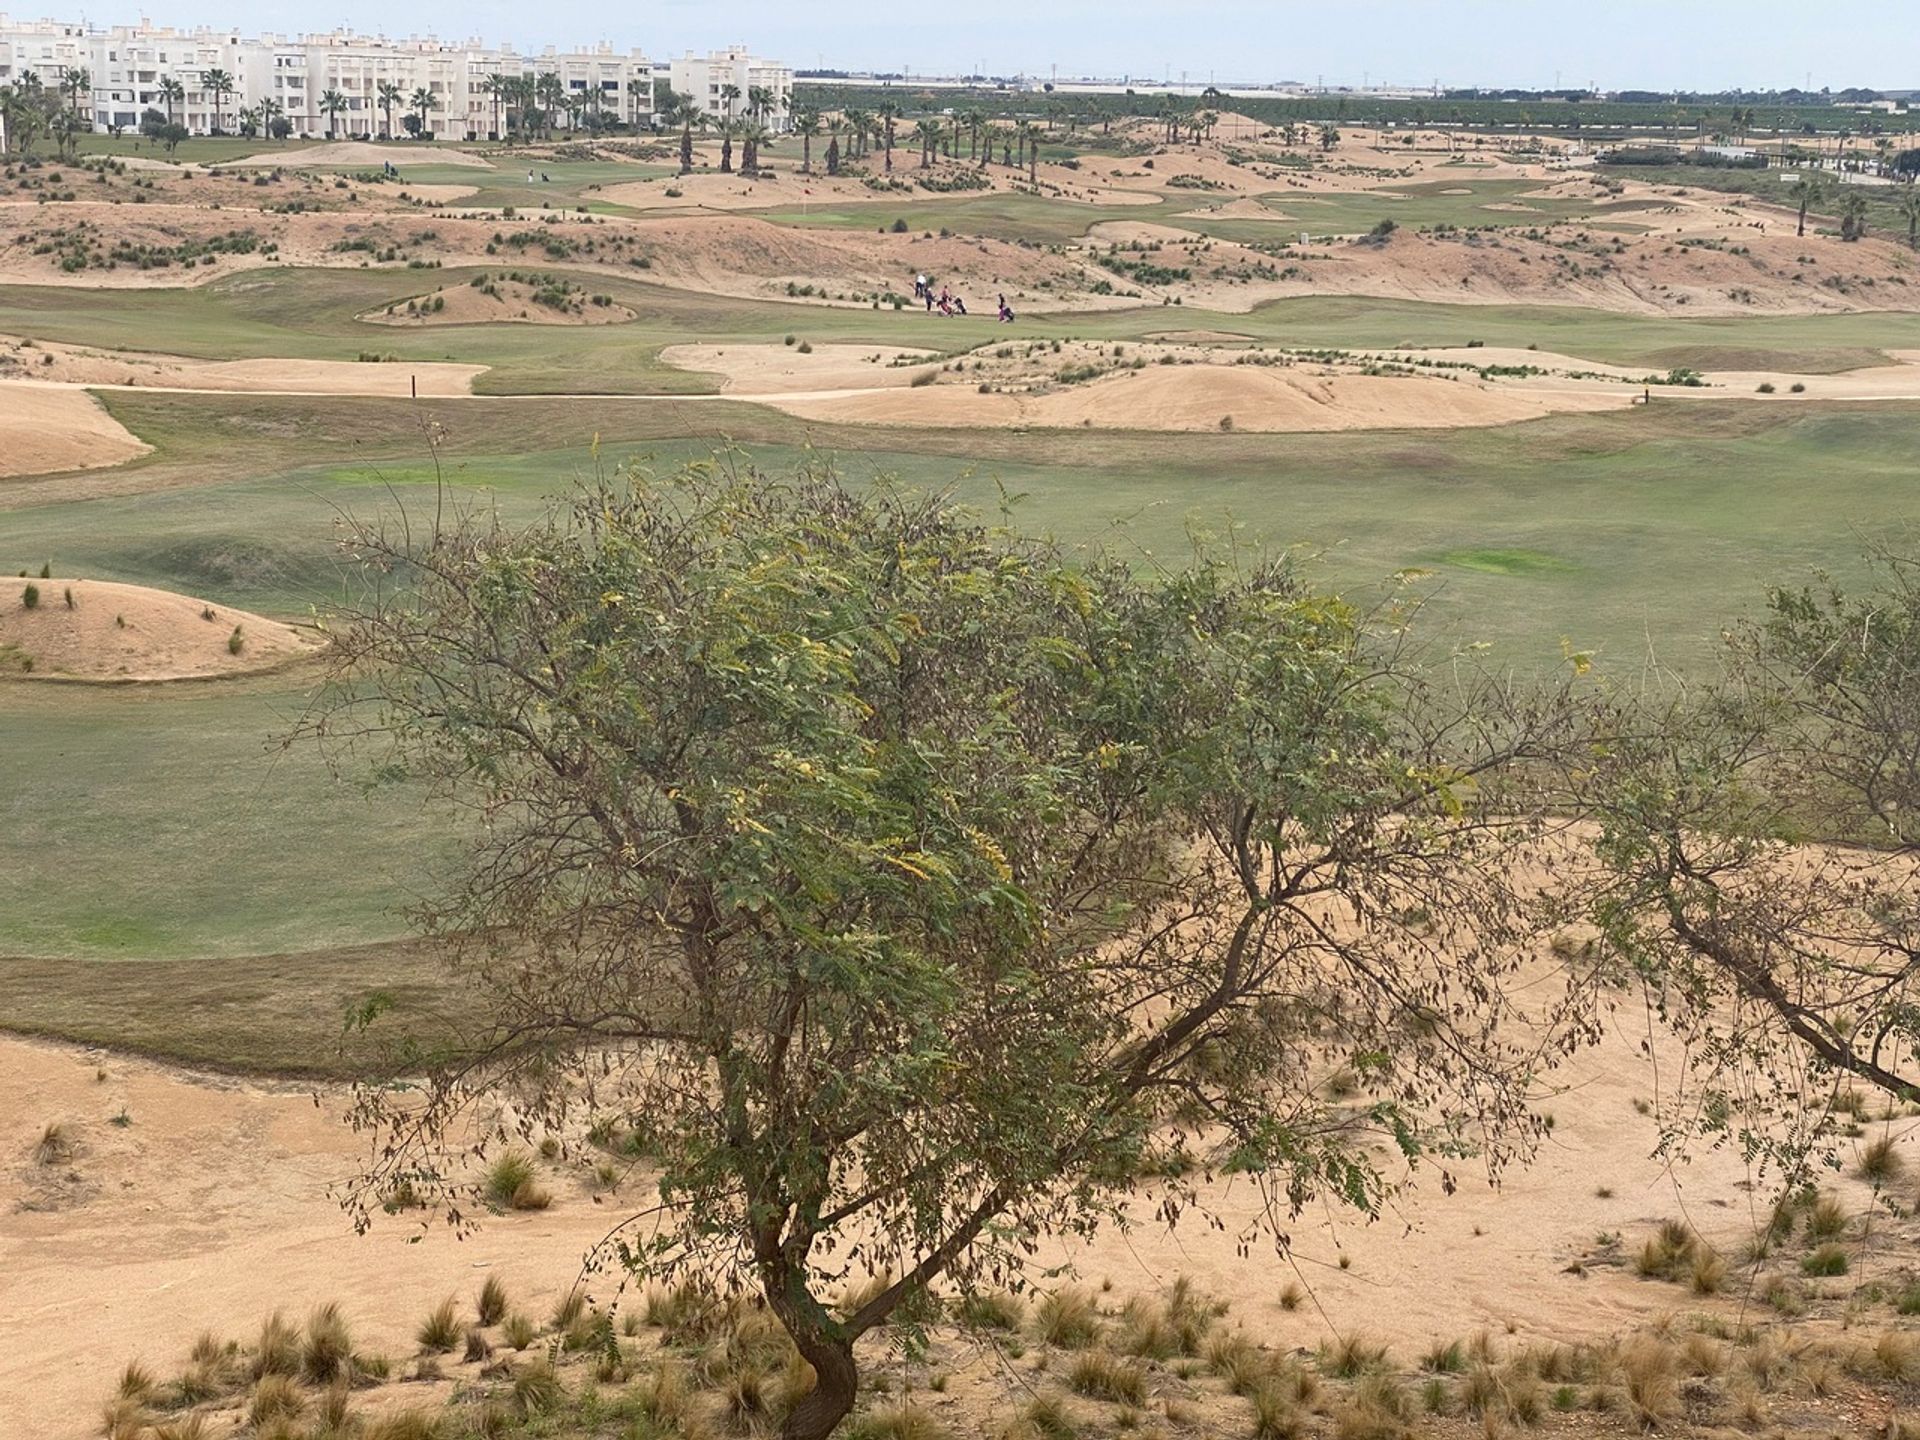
(491, 1306)
(123, 1418)
(441, 1330)
(54, 1147)
(419, 1424)
(1826, 1218)
(1276, 1416)
(278, 1350)
(136, 1382)
(537, 1389)
(1100, 1376)
(993, 1310)
(1068, 1319)
(1707, 1273)
(1651, 1380)
(1351, 1356)
(478, 1347)
(275, 1397)
(897, 1422)
(1825, 1260)
(326, 1354)
(518, 1331)
(1881, 1162)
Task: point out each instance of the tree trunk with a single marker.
(836, 1386)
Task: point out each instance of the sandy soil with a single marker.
(440, 194)
(512, 303)
(129, 632)
(82, 365)
(211, 1208)
(44, 430)
(361, 153)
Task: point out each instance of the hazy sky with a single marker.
(1694, 44)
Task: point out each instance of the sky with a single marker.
(1615, 44)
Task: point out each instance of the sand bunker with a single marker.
(358, 153)
(49, 365)
(45, 430)
(760, 369)
(98, 630)
(498, 300)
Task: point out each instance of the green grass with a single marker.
(1417, 206)
(311, 314)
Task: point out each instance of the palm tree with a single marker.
(889, 113)
(424, 102)
(494, 87)
(268, 111)
(752, 136)
(332, 105)
(635, 89)
(975, 118)
(219, 85)
(728, 127)
(171, 91)
(389, 95)
(760, 103)
(551, 92)
(1033, 154)
(1910, 210)
(859, 125)
(806, 124)
(74, 83)
(929, 131)
(1806, 193)
(729, 94)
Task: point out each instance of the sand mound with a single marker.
(1207, 397)
(356, 153)
(440, 194)
(44, 430)
(128, 632)
(534, 300)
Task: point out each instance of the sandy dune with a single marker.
(44, 430)
(759, 369)
(98, 630)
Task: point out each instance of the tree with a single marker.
(219, 86)
(729, 99)
(173, 92)
(389, 95)
(806, 124)
(551, 93)
(249, 121)
(77, 85)
(423, 103)
(1806, 192)
(1910, 211)
(833, 148)
(923, 887)
(930, 131)
(1853, 215)
(495, 87)
(752, 136)
(888, 112)
(859, 127)
(1791, 969)
(728, 128)
(333, 105)
(270, 116)
(639, 100)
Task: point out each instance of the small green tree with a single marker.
(30, 596)
(1791, 968)
(928, 888)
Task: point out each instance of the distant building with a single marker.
(128, 65)
(724, 82)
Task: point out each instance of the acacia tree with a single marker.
(920, 889)
(1792, 969)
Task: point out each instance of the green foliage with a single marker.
(851, 819)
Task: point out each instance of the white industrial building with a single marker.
(127, 66)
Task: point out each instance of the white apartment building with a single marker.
(706, 78)
(127, 65)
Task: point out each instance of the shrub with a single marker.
(67, 593)
(1826, 1218)
(1100, 1376)
(1766, 387)
(1448, 1359)
(509, 1174)
(46, 570)
(1048, 1418)
(136, 1382)
(1798, 387)
(1352, 1355)
(478, 1347)
(1825, 1260)
(407, 1425)
(518, 1331)
(236, 641)
(441, 1330)
(1275, 1416)
(1068, 1318)
(30, 596)
(571, 1307)
(806, 347)
(491, 1307)
(1708, 1274)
